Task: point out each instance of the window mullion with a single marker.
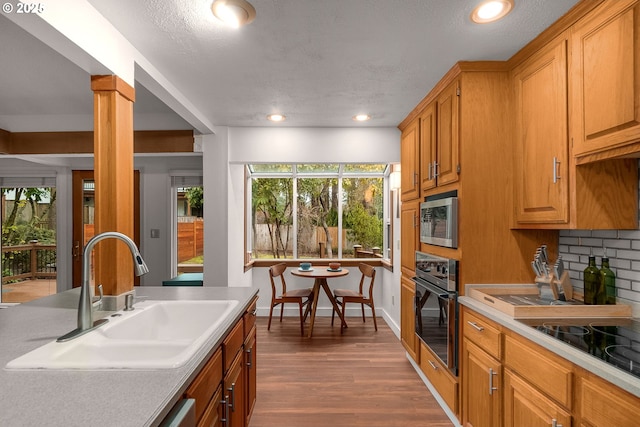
(294, 202)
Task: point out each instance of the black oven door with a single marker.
(436, 312)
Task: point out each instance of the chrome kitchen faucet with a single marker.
(85, 307)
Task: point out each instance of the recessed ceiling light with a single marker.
(235, 13)
(276, 117)
(490, 11)
(361, 117)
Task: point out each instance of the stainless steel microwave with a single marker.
(439, 220)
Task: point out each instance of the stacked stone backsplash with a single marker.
(623, 250)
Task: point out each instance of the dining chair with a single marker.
(302, 297)
(343, 296)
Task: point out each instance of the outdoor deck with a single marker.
(28, 290)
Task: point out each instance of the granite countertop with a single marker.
(600, 368)
(95, 398)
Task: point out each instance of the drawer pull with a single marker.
(232, 400)
(248, 351)
(554, 423)
(475, 325)
(225, 412)
(491, 387)
(433, 365)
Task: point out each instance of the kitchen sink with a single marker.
(155, 335)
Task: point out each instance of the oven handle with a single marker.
(434, 289)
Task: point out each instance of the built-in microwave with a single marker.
(439, 220)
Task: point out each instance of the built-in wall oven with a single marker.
(436, 306)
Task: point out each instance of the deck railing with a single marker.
(30, 261)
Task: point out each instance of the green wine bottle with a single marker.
(607, 282)
(591, 281)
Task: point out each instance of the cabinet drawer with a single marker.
(249, 317)
(602, 404)
(547, 373)
(438, 375)
(483, 333)
(232, 344)
(206, 383)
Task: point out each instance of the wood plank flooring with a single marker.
(360, 378)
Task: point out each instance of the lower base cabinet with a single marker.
(482, 390)
(524, 405)
(439, 376)
(601, 404)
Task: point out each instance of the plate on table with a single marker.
(300, 269)
(334, 271)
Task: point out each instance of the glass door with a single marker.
(28, 239)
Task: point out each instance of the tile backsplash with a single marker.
(623, 250)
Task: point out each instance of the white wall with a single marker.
(303, 145)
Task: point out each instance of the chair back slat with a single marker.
(367, 272)
(277, 270)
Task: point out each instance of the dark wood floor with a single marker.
(361, 378)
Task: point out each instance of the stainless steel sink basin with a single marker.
(156, 335)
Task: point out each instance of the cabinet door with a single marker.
(524, 405)
(407, 316)
(602, 404)
(410, 161)
(541, 151)
(409, 234)
(214, 413)
(605, 77)
(234, 391)
(448, 137)
(481, 388)
(427, 148)
(250, 354)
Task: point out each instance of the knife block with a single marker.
(547, 288)
(565, 283)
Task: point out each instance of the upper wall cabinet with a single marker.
(605, 82)
(439, 139)
(551, 190)
(541, 145)
(410, 161)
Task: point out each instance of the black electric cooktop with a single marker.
(616, 342)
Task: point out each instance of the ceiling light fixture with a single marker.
(361, 117)
(491, 11)
(233, 12)
(276, 117)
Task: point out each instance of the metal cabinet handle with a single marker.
(248, 351)
(415, 178)
(491, 387)
(433, 365)
(435, 170)
(232, 401)
(554, 423)
(556, 176)
(475, 325)
(225, 412)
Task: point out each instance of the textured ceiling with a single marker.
(318, 62)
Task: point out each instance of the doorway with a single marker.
(28, 241)
(83, 218)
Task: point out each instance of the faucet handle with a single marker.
(98, 303)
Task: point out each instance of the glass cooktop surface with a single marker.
(616, 342)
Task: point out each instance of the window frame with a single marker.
(387, 219)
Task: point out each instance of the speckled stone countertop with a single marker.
(610, 373)
(95, 398)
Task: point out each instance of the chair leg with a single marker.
(281, 311)
(362, 307)
(373, 312)
(333, 312)
(301, 319)
(270, 314)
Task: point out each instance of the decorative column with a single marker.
(113, 174)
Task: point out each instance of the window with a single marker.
(188, 231)
(300, 211)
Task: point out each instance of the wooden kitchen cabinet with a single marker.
(481, 372)
(605, 81)
(250, 359)
(447, 166)
(439, 376)
(524, 405)
(407, 317)
(550, 189)
(428, 147)
(204, 387)
(410, 161)
(234, 393)
(600, 404)
(409, 235)
(541, 144)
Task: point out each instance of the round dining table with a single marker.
(320, 274)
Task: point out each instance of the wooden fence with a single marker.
(190, 239)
